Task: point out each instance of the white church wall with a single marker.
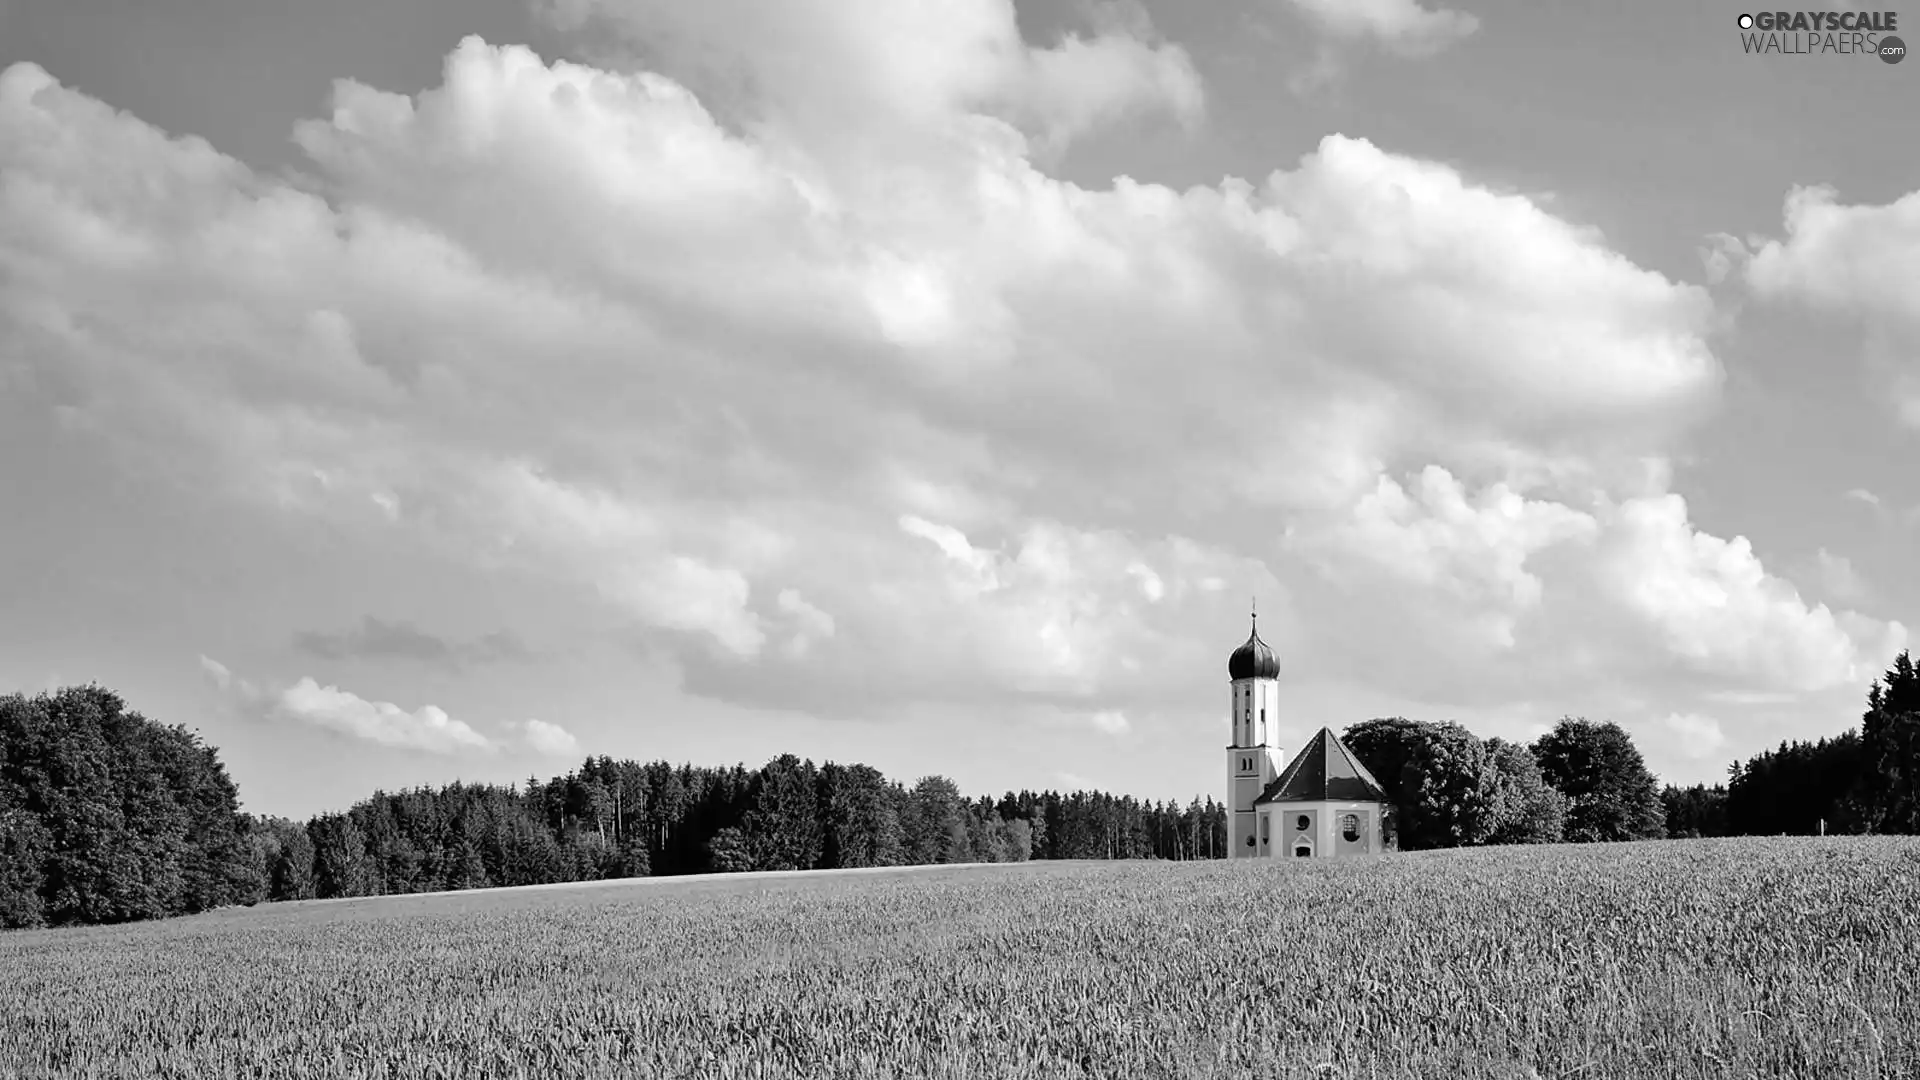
(1322, 832)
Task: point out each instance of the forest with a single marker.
(107, 816)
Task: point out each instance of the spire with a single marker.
(1255, 659)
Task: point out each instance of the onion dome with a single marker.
(1254, 660)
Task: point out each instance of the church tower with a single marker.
(1253, 761)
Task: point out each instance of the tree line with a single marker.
(106, 816)
(1863, 780)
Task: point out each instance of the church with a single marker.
(1323, 804)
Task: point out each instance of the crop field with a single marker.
(1729, 958)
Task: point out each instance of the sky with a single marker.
(402, 393)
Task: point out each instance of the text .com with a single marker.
(1833, 33)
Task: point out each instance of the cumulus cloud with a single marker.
(831, 67)
(1716, 608)
(1402, 26)
(1838, 577)
(427, 728)
(1440, 541)
(1699, 737)
(550, 739)
(1855, 258)
(1857, 262)
(1521, 595)
(796, 359)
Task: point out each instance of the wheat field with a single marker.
(1789, 957)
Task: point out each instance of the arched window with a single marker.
(1303, 823)
(1350, 827)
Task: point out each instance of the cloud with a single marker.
(1856, 262)
(823, 67)
(1700, 737)
(1441, 541)
(550, 739)
(810, 374)
(1402, 26)
(227, 682)
(1716, 609)
(427, 728)
(1838, 578)
(216, 671)
(1722, 255)
(1110, 722)
(379, 639)
(1852, 258)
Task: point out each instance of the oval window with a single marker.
(1350, 827)
(1303, 823)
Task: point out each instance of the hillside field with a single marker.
(1776, 957)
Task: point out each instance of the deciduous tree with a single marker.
(1610, 793)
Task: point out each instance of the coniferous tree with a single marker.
(1696, 811)
(1890, 740)
(783, 829)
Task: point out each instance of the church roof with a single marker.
(1253, 660)
(1324, 771)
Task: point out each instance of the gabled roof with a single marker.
(1324, 771)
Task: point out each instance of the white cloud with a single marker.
(1110, 722)
(1857, 259)
(1403, 26)
(227, 682)
(808, 623)
(216, 671)
(1859, 262)
(549, 739)
(1838, 578)
(427, 728)
(826, 67)
(808, 370)
(1472, 550)
(1700, 737)
(1715, 608)
(1723, 254)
